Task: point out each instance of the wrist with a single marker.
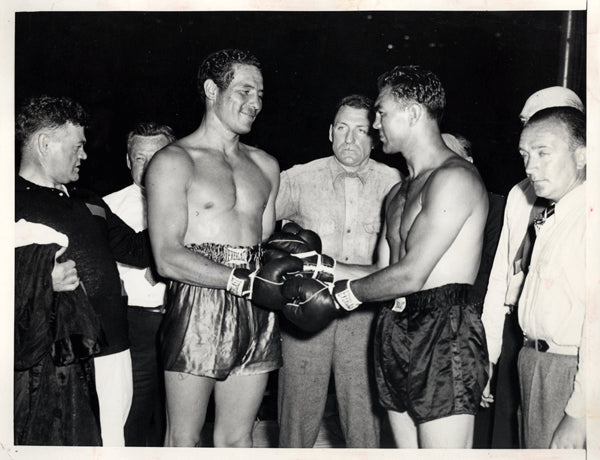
(344, 297)
(238, 282)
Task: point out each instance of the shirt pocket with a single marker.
(326, 227)
(372, 227)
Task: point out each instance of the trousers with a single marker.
(145, 426)
(342, 348)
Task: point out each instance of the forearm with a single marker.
(352, 271)
(386, 284)
(183, 265)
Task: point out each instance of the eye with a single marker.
(362, 131)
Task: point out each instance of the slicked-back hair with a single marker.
(218, 67)
(413, 83)
(47, 112)
(358, 101)
(150, 128)
(573, 119)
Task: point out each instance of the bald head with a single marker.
(555, 96)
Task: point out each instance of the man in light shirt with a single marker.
(551, 307)
(340, 197)
(552, 304)
(145, 426)
(504, 336)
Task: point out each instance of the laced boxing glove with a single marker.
(306, 245)
(311, 306)
(263, 286)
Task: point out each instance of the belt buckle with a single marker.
(541, 345)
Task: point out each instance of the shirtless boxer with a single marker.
(430, 352)
(210, 204)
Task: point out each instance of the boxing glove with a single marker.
(263, 286)
(306, 245)
(311, 306)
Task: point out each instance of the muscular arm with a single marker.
(167, 181)
(271, 169)
(447, 202)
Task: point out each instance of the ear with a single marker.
(42, 141)
(580, 157)
(210, 89)
(415, 112)
(128, 160)
(330, 133)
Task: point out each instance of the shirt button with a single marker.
(348, 230)
(60, 194)
(346, 259)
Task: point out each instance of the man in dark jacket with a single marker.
(51, 135)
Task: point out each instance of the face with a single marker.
(349, 136)
(239, 104)
(550, 163)
(64, 154)
(391, 119)
(141, 150)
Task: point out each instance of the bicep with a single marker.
(383, 248)
(268, 218)
(166, 187)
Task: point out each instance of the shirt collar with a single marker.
(338, 172)
(573, 200)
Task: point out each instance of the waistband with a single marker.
(159, 309)
(545, 347)
(232, 256)
(451, 294)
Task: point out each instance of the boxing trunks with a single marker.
(212, 333)
(431, 358)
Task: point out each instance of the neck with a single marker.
(216, 136)
(351, 169)
(37, 176)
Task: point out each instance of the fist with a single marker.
(310, 305)
(268, 280)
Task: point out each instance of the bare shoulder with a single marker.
(173, 161)
(456, 175)
(267, 163)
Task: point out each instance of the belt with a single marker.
(159, 309)
(545, 347)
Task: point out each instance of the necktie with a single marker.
(540, 217)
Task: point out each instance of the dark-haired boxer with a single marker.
(430, 352)
(211, 202)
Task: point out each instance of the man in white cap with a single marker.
(503, 334)
(554, 96)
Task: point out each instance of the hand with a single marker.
(304, 244)
(487, 398)
(311, 306)
(570, 433)
(267, 282)
(64, 274)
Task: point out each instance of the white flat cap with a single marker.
(555, 96)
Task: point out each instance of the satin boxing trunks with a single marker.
(212, 333)
(431, 358)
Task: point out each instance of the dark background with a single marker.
(130, 66)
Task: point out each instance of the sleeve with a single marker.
(494, 311)
(127, 246)
(285, 207)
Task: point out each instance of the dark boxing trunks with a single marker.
(431, 358)
(212, 333)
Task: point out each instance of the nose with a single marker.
(82, 154)
(350, 136)
(255, 102)
(530, 163)
(377, 122)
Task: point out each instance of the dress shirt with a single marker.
(552, 304)
(130, 205)
(345, 209)
(506, 276)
